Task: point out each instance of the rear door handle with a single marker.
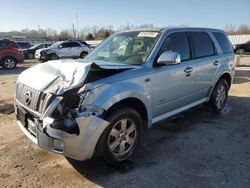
(188, 70)
(216, 63)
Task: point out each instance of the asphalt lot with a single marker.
(193, 149)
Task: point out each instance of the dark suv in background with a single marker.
(30, 53)
(242, 48)
(24, 45)
(10, 54)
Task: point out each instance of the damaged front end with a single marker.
(53, 115)
(69, 130)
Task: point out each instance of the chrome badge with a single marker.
(27, 97)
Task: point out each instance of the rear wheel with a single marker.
(9, 63)
(240, 51)
(83, 54)
(120, 138)
(219, 95)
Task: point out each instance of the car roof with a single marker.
(166, 29)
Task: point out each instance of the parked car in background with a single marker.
(24, 45)
(10, 54)
(63, 49)
(241, 49)
(129, 82)
(30, 53)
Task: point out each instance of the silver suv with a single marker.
(63, 49)
(132, 80)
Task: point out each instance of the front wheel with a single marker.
(219, 95)
(31, 56)
(52, 57)
(9, 63)
(120, 138)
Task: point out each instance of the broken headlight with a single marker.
(88, 108)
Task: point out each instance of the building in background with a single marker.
(27, 37)
(239, 39)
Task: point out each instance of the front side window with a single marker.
(127, 48)
(203, 45)
(177, 42)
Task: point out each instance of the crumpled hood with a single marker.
(60, 75)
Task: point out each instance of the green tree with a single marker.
(89, 37)
(107, 34)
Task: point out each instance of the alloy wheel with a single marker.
(9, 63)
(122, 137)
(221, 96)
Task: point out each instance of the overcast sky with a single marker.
(61, 14)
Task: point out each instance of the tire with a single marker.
(219, 96)
(119, 140)
(240, 51)
(52, 57)
(30, 56)
(9, 63)
(83, 54)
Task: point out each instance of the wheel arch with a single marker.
(134, 103)
(7, 56)
(227, 76)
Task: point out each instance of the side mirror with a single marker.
(60, 46)
(169, 58)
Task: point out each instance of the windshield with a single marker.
(35, 46)
(126, 48)
(55, 45)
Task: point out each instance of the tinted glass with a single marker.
(75, 44)
(177, 42)
(4, 43)
(224, 43)
(65, 45)
(203, 45)
(84, 43)
(24, 45)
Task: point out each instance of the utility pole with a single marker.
(77, 23)
(73, 28)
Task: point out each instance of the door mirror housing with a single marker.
(169, 58)
(60, 46)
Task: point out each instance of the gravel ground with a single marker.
(193, 149)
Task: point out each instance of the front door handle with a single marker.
(216, 63)
(188, 70)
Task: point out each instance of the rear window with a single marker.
(224, 43)
(203, 45)
(4, 43)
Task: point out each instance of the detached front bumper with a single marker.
(79, 147)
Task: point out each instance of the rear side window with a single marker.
(203, 45)
(66, 45)
(177, 42)
(74, 44)
(224, 43)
